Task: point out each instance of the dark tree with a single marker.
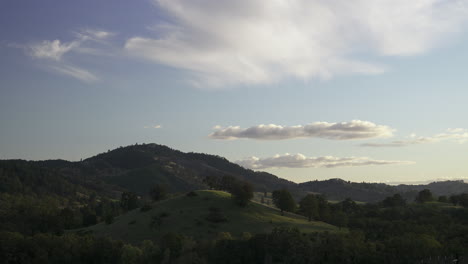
(211, 181)
(89, 217)
(393, 201)
(109, 218)
(424, 196)
(242, 192)
(158, 192)
(349, 206)
(443, 199)
(129, 201)
(464, 199)
(461, 199)
(283, 200)
(454, 199)
(309, 206)
(227, 183)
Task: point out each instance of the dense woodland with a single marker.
(42, 204)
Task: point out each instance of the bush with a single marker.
(164, 214)
(146, 208)
(215, 216)
(191, 194)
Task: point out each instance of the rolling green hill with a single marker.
(202, 216)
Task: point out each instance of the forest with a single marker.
(47, 212)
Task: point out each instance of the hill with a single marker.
(138, 167)
(201, 216)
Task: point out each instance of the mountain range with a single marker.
(136, 168)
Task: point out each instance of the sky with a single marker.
(363, 90)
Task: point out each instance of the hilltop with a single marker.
(201, 215)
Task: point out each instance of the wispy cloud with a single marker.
(254, 41)
(459, 135)
(54, 51)
(75, 72)
(301, 161)
(355, 129)
(153, 126)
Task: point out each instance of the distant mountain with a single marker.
(338, 189)
(437, 188)
(138, 167)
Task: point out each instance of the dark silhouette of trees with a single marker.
(283, 200)
(242, 193)
(393, 201)
(443, 199)
(309, 206)
(129, 201)
(424, 196)
(460, 199)
(158, 192)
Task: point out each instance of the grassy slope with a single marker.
(187, 215)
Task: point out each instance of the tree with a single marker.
(464, 199)
(211, 181)
(461, 199)
(393, 201)
(227, 183)
(242, 192)
(158, 192)
(309, 206)
(339, 218)
(283, 200)
(454, 199)
(131, 254)
(324, 208)
(424, 196)
(349, 206)
(443, 199)
(129, 201)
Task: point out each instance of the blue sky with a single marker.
(360, 90)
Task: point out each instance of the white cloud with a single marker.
(53, 53)
(301, 161)
(254, 41)
(459, 135)
(355, 129)
(53, 50)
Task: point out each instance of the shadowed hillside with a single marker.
(202, 215)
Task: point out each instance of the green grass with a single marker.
(187, 215)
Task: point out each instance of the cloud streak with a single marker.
(355, 129)
(54, 51)
(301, 161)
(222, 42)
(459, 135)
(75, 72)
(153, 126)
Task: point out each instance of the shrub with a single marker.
(191, 194)
(146, 208)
